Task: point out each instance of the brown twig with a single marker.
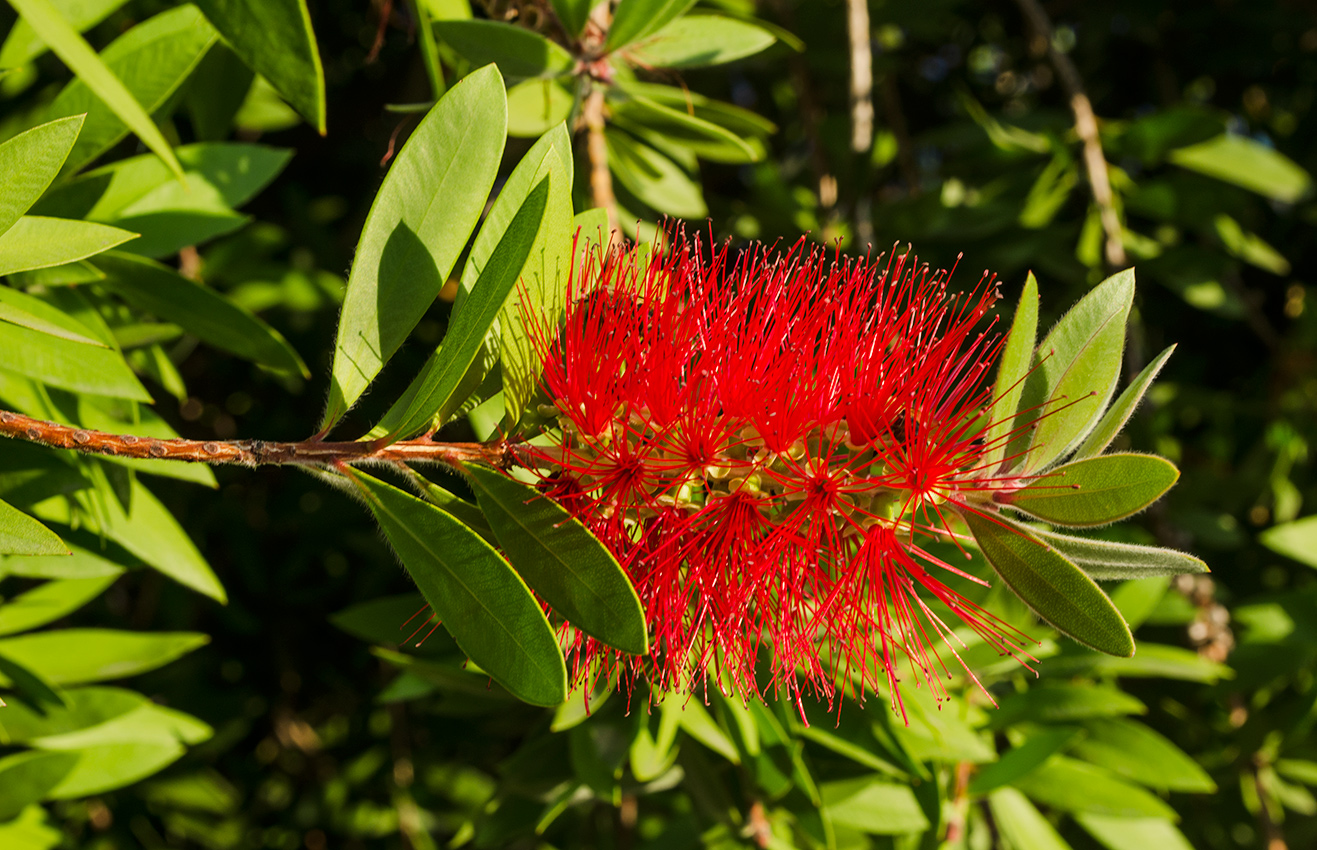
(857, 28)
(1095, 162)
(255, 452)
(596, 145)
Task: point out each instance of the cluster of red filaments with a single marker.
(766, 443)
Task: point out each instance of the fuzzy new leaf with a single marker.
(1096, 491)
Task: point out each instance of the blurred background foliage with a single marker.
(956, 127)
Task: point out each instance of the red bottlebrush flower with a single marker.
(763, 441)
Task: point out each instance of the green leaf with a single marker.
(388, 620)
(1139, 598)
(1020, 760)
(635, 19)
(1076, 367)
(874, 805)
(49, 602)
(1096, 491)
(696, 721)
(97, 73)
(22, 45)
(1106, 561)
(20, 534)
(37, 242)
(1132, 750)
(21, 309)
(26, 778)
(31, 686)
(106, 767)
(562, 561)
(573, 14)
(1064, 703)
(434, 395)
(536, 106)
(650, 119)
(518, 52)
(1012, 370)
(1153, 660)
(83, 708)
(149, 531)
(481, 601)
(199, 310)
(1297, 540)
(696, 41)
(29, 162)
(653, 177)
(1248, 164)
(1122, 833)
(67, 365)
(1021, 824)
(1052, 586)
(70, 656)
(1074, 786)
(1249, 247)
(1120, 411)
(143, 722)
(462, 510)
(83, 563)
(419, 223)
(742, 122)
(275, 39)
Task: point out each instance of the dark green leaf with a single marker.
(1058, 591)
(635, 19)
(275, 39)
(1022, 824)
(1074, 786)
(1134, 751)
(1119, 413)
(37, 242)
(1297, 540)
(420, 221)
(462, 510)
(48, 602)
(1020, 760)
(433, 394)
(1012, 370)
(518, 52)
(1123, 833)
(199, 310)
(1105, 560)
(29, 162)
(26, 778)
(1096, 491)
(695, 41)
(562, 561)
(1076, 367)
(874, 805)
(388, 620)
(1063, 704)
(30, 686)
(1246, 163)
(70, 656)
(573, 14)
(480, 599)
(20, 534)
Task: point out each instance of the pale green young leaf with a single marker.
(518, 52)
(1076, 367)
(20, 534)
(1057, 590)
(1075, 786)
(72, 656)
(24, 310)
(104, 767)
(274, 38)
(83, 563)
(1012, 370)
(22, 45)
(145, 721)
(874, 805)
(48, 602)
(479, 598)
(696, 41)
(536, 106)
(562, 560)
(1108, 561)
(199, 310)
(696, 721)
(742, 122)
(82, 708)
(92, 70)
(1022, 824)
(1153, 661)
(420, 221)
(29, 162)
(635, 19)
(1121, 409)
(37, 242)
(67, 365)
(1123, 833)
(1096, 491)
(1297, 540)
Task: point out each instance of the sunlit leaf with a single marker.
(518, 52)
(1096, 491)
(22, 45)
(1121, 409)
(874, 805)
(71, 656)
(1022, 824)
(1020, 760)
(36, 242)
(694, 41)
(48, 602)
(1122, 833)
(29, 162)
(1297, 540)
(1106, 561)
(1249, 164)
(1132, 750)
(1075, 786)
(1012, 369)
(27, 777)
(635, 19)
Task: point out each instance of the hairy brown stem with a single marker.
(312, 452)
(1095, 162)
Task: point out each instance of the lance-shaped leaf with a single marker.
(434, 394)
(635, 19)
(158, 289)
(1108, 561)
(573, 14)
(1057, 590)
(27, 777)
(38, 242)
(66, 364)
(420, 221)
(641, 115)
(29, 162)
(48, 602)
(1097, 491)
(695, 41)
(480, 599)
(1121, 409)
(1012, 370)
(20, 534)
(70, 656)
(275, 39)
(1297, 540)
(1022, 824)
(518, 52)
(22, 45)
(94, 73)
(559, 557)
(1078, 363)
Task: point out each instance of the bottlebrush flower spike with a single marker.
(764, 441)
